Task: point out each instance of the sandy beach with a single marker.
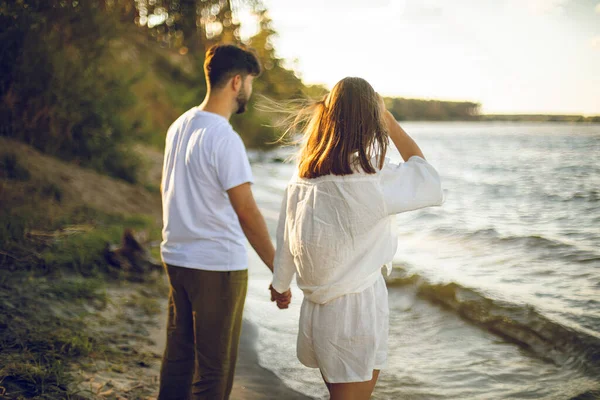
(143, 338)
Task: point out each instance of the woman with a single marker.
(336, 232)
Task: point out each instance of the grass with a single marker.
(38, 339)
(79, 289)
(144, 301)
(46, 238)
(47, 325)
(54, 284)
(83, 252)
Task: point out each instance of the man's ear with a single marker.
(237, 82)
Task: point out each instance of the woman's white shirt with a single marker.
(336, 232)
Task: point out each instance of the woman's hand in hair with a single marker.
(381, 103)
(388, 118)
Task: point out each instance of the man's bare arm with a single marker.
(252, 222)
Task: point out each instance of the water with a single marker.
(494, 295)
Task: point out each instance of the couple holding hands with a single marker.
(335, 232)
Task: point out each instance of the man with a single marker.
(208, 212)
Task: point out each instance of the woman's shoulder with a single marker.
(331, 178)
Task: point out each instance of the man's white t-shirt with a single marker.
(204, 157)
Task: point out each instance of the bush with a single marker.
(10, 168)
(62, 88)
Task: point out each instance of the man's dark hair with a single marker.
(223, 61)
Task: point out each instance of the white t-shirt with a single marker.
(336, 232)
(204, 157)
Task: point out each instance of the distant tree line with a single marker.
(436, 110)
(539, 118)
(432, 110)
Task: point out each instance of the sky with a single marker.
(512, 56)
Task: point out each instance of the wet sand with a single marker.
(253, 381)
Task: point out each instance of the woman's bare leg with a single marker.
(354, 390)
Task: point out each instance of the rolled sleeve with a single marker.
(411, 185)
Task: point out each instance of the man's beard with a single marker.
(242, 100)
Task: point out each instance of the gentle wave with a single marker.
(566, 251)
(591, 196)
(518, 323)
(587, 395)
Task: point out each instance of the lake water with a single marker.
(494, 295)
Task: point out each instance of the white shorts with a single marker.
(347, 337)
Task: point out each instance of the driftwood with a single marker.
(131, 257)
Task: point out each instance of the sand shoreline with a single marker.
(143, 339)
(253, 381)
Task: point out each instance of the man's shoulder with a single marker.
(215, 126)
(215, 129)
(223, 132)
(182, 119)
(195, 118)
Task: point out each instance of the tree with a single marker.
(59, 88)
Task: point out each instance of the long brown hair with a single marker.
(345, 131)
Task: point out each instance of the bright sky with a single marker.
(513, 56)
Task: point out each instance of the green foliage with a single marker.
(255, 129)
(79, 84)
(83, 252)
(315, 91)
(41, 235)
(175, 83)
(78, 289)
(63, 88)
(276, 82)
(191, 24)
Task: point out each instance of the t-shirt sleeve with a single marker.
(284, 268)
(231, 161)
(411, 185)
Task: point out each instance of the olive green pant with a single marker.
(203, 333)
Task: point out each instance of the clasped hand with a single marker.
(283, 299)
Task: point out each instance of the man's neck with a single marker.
(216, 104)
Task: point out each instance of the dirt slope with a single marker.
(84, 186)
